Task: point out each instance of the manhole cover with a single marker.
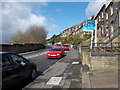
(75, 62)
(54, 81)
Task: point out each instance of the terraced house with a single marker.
(108, 24)
(75, 30)
(69, 31)
(79, 31)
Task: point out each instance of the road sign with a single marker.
(89, 26)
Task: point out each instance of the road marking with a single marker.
(27, 57)
(54, 81)
(75, 62)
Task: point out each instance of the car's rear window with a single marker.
(66, 45)
(58, 45)
(56, 49)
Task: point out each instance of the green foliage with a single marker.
(55, 39)
(75, 39)
(86, 36)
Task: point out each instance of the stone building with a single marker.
(108, 24)
(79, 31)
(68, 31)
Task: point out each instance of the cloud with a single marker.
(17, 16)
(94, 7)
(52, 27)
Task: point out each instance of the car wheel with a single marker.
(33, 74)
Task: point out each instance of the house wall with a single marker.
(108, 22)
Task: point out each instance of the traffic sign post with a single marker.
(90, 26)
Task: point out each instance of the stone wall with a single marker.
(85, 57)
(18, 48)
(98, 60)
(104, 62)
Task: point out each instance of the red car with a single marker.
(66, 47)
(56, 52)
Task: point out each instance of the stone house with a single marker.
(108, 24)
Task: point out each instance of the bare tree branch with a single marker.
(34, 34)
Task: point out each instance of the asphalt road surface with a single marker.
(40, 58)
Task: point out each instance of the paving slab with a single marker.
(104, 79)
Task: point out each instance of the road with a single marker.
(40, 58)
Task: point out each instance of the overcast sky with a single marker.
(55, 16)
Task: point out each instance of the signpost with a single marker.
(119, 19)
(90, 26)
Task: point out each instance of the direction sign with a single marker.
(89, 26)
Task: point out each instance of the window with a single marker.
(112, 29)
(17, 59)
(56, 49)
(111, 10)
(97, 21)
(106, 15)
(99, 30)
(102, 30)
(102, 15)
(119, 18)
(99, 18)
(107, 33)
(5, 61)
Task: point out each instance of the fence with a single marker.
(105, 47)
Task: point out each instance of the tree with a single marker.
(34, 34)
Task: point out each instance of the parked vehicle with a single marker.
(56, 52)
(58, 45)
(15, 68)
(66, 47)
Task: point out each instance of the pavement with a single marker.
(102, 79)
(64, 74)
(68, 73)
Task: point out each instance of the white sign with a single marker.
(89, 26)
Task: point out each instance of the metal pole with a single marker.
(92, 40)
(96, 33)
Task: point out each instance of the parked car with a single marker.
(15, 68)
(58, 45)
(56, 52)
(66, 47)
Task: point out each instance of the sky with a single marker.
(54, 16)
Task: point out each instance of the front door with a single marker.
(22, 65)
